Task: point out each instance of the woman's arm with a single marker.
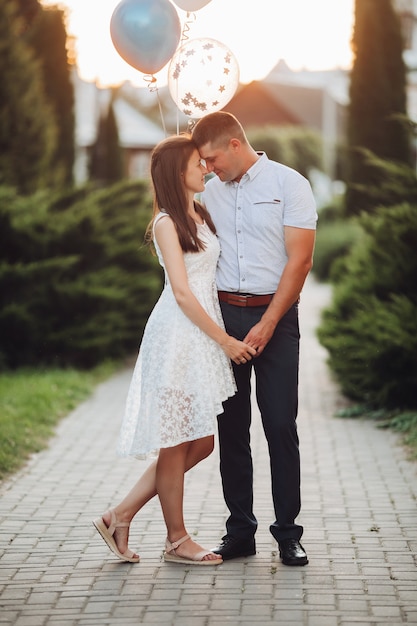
(167, 239)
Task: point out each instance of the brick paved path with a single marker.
(359, 512)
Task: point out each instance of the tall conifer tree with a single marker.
(27, 127)
(49, 38)
(44, 30)
(377, 107)
(106, 162)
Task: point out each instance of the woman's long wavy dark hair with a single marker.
(169, 160)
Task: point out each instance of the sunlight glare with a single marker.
(311, 35)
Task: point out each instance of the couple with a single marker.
(234, 265)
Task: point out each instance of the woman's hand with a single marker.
(238, 351)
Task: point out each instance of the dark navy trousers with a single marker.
(276, 381)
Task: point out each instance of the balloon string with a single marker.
(152, 86)
(151, 80)
(161, 113)
(191, 17)
(178, 110)
(186, 28)
(190, 125)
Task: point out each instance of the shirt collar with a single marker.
(254, 169)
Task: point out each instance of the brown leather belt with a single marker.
(240, 299)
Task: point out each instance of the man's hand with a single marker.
(259, 335)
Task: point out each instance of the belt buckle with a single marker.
(239, 299)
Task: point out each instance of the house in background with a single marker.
(144, 118)
(314, 99)
(407, 10)
(138, 133)
(317, 100)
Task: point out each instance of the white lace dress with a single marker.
(181, 376)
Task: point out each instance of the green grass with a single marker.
(31, 404)
(406, 425)
(33, 401)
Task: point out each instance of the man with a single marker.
(265, 215)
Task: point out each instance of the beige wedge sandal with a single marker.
(198, 559)
(108, 535)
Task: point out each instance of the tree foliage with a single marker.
(106, 159)
(37, 97)
(370, 329)
(29, 11)
(297, 147)
(48, 38)
(28, 132)
(76, 282)
(377, 109)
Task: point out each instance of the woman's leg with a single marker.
(170, 470)
(145, 488)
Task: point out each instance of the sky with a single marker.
(310, 34)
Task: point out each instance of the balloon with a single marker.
(145, 33)
(191, 5)
(203, 76)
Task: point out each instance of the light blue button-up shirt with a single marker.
(250, 216)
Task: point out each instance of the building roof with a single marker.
(267, 103)
(334, 81)
(135, 128)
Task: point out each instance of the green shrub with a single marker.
(406, 424)
(334, 241)
(334, 238)
(295, 146)
(370, 330)
(76, 282)
(334, 211)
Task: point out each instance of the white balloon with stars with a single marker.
(203, 76)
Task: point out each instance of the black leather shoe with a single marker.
(292, 552)
(234, 547)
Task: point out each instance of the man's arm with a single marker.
(299, 244)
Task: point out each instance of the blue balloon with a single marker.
(145, 33)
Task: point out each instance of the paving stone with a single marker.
(359, 514)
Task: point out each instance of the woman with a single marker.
(183, 371)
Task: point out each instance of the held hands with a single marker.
(238, 351)
(259, 335)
